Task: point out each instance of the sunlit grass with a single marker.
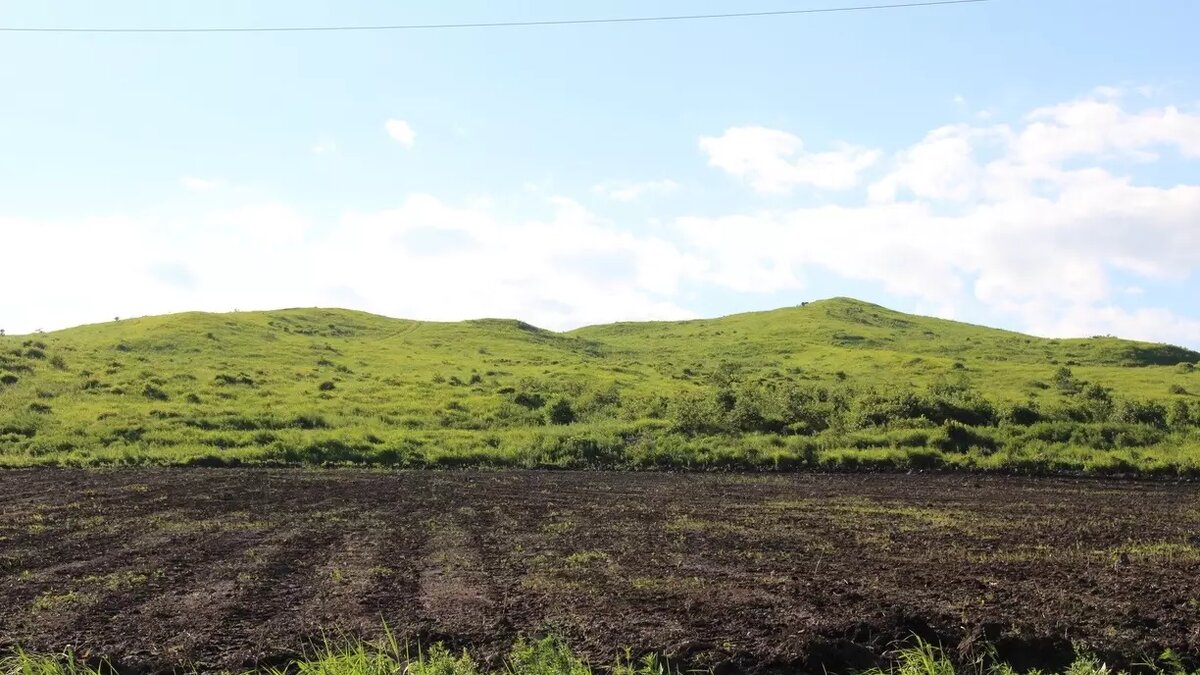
(335, 387)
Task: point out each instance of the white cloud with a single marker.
(993, 215)
(1154, 324)
(942, 166)
(623, 191)
(424, 259)
(201, 184)
(770, 160)
(400, 132)
(324, 147)
(1100, 126)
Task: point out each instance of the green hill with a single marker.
(831, 383)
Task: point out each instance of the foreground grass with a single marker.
(550, 656)
(835, 384)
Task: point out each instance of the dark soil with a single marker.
(158, 568)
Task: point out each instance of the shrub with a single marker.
(961, 438)
(309, 421)
(1065, 380)
(240, 378)
(694, 414)
(1023, 414)
(1180, 415)
(1177, 389)
(154, 393)
(9, 378)
(561, 412)
(58, 362)
(1150, 413)
(755, 411)
(1185, 367)
(531, 401)
(807, 411)
(326, 386)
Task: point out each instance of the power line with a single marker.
(495, 24)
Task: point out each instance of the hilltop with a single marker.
(834, 381)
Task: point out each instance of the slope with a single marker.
(340, 386)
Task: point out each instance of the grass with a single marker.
(547, 656)
(835, 384)
(550, 656)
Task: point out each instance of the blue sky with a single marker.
(1019, 163)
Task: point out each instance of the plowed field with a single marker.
(228, 568)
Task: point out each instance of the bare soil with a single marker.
(232, 568)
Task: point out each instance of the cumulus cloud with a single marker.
(400, 132)
(775, 161)
(624, 191)
(1027, 220)
(1098, 127)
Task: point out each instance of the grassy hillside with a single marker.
(833, 382)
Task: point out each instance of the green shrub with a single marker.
(1151, 413)
(239, 379)
(1180, 414)
(154, 393)
(961, 438)
(561, 412)
(694, 414)
(1023, 414)
(1065, 380)
(528, 400)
